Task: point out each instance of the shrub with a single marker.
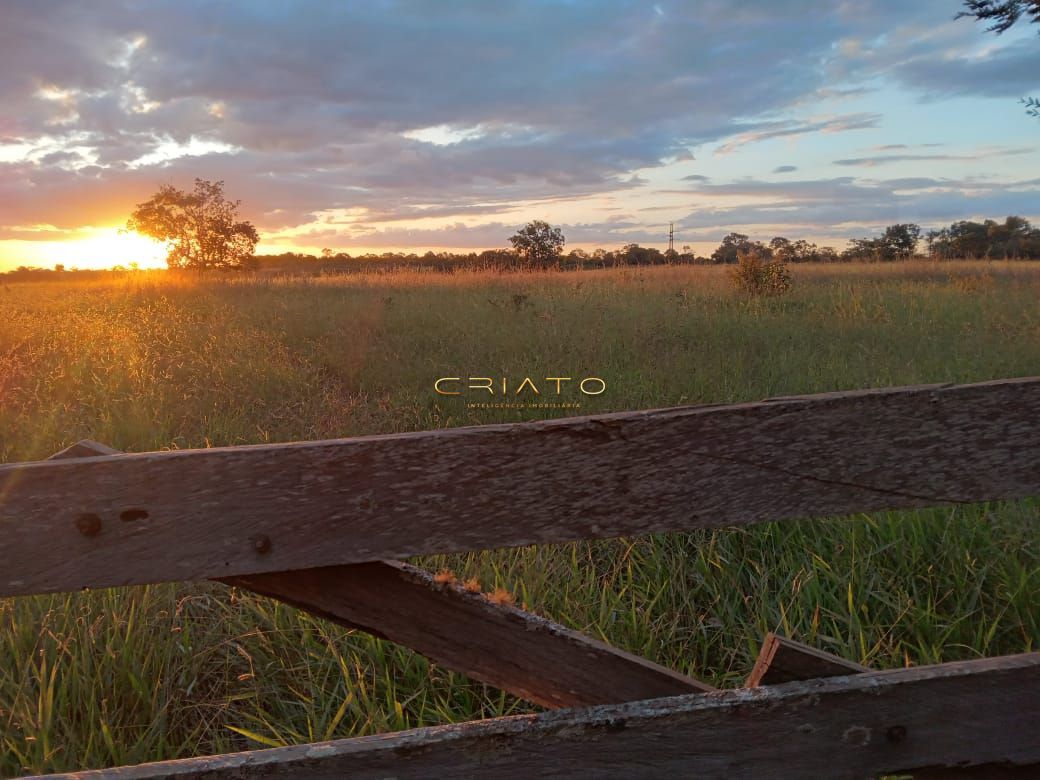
(757, 274)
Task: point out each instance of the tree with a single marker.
(969, 239)
(827, 254)
(200, 227)
(864, 249)
(897, 243)
(735, 243)
(799, 251)
(900, 241)
(783, 249)
(539, 243)
(633, 254)
(1002, 14)
(1014, 238)
(497, 258)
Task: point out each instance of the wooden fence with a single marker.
(321, 526)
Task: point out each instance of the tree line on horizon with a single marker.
(1014, 238)
(541, 246)
(202, 232)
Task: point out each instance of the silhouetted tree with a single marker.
(539, 243)
(1002, 14)
(200, 227)
(498, 258)
(900, 241)
(799, 251)
(1008, 240)
(827, 254)
(897, 243)
(735, 243)
(864, 249)
(1012, 239)
(783, 249)
(633, 254)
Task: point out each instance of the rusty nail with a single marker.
(261, 543)
(88, 524)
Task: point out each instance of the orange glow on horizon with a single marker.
(99, 248)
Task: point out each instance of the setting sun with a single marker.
(100, 248)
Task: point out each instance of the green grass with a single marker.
(136, 674)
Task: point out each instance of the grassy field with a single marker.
(142, 363)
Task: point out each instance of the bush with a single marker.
(757, 274)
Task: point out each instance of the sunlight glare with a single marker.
(105, 248)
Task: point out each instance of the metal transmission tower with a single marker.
(671, 237)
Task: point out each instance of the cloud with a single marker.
(413, 110)
(614, 86)
(884, 159)
(1009, 71)
(891, 158)
(459, 235)
(891, 147)
(842, 206)
(791, 127)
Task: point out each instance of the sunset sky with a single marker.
(447, 125)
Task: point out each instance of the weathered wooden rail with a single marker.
(321, 525)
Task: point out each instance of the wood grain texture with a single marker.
(784, 660)
(529, 656)
(371, 498)
(526, 655)
(959, 714)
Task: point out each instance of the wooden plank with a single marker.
(196, 514)
(529, 656)
(984, 772)
(953, 715)
(783, 660)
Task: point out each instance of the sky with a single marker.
(385, 125)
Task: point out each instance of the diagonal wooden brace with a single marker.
(783, 660)
(528, 656)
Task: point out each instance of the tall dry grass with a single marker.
(134, 674)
